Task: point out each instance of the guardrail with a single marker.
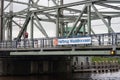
(96, 40)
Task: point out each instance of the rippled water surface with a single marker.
(72, 76)
(97, 76)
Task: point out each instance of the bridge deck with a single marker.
(101, 42)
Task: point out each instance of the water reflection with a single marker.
(38, 77)
(97, 76)
(73, 76)
(81, 76)
(106, 76)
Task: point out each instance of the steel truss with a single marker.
(56, 14)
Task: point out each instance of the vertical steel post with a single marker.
(109, 23)
(61, 22)
(1, 19)
(4, 25)
(109, 31)
(57, 22)
(99, 40)
(66, 28)
(9, 35)
(10, 26)
(32, 27)
(89, 19)
(84, 30)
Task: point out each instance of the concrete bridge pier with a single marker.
(1, 67)
(45, 67)
(40, 67)
(23, 66)
(11, 67)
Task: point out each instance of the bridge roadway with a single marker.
(101, 44)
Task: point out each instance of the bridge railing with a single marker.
(96, 40)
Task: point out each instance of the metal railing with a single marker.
(97, 40)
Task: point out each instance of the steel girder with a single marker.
(55, 17)
(24, 26)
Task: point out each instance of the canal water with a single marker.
(66, 76)
(97, 76)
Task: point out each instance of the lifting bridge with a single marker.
(60, 13)
(80, 28)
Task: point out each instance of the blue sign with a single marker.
(68, 41)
